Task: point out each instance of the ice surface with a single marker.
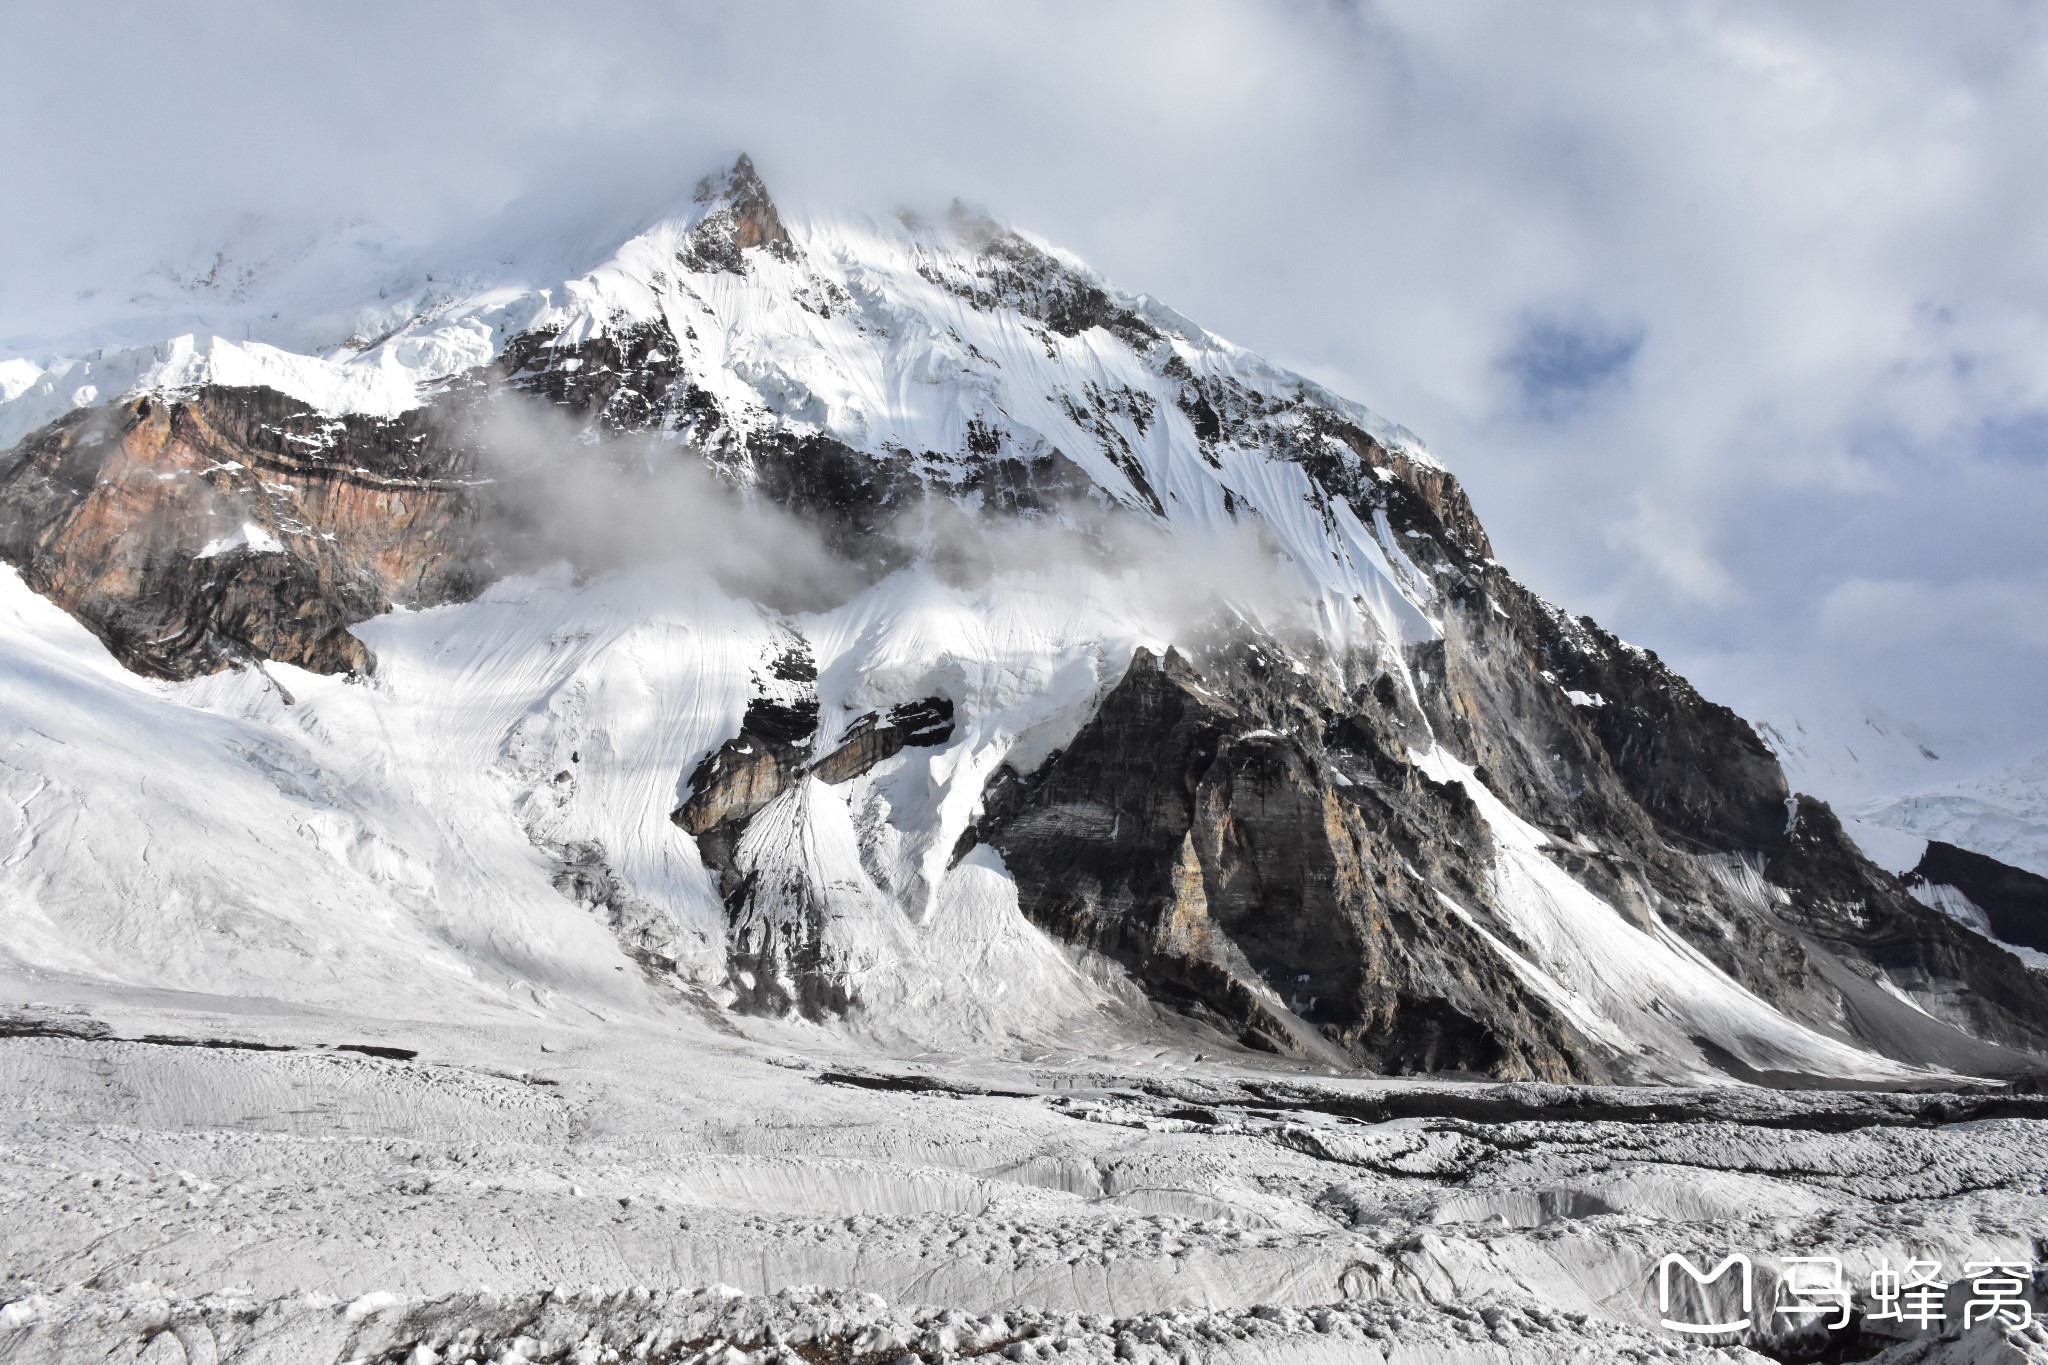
(1882, 775)
(2002, 813)
(579, 1180)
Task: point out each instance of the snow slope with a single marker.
(395, 839)
(404, 838)
(866, 333)
(1648, 994)
(208, 838)
(1896, 793)
(391, 839)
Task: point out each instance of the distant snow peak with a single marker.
(16, 376)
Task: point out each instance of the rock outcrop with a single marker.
(233, 525)
(1285, 877)
(875, 736)
(2012, 901)
(742, 218)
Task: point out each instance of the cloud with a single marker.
(1876, 619)
(2017, 436)
(1678, 550)
(556, 491)
(1559, 366)
(1718, 306)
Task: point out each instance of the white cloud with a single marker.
(1873, 619)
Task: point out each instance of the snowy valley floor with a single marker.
(670, 1189)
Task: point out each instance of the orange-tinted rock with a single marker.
(736, 782)
(235, 524)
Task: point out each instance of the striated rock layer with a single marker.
(162, 523)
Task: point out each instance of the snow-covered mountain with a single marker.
(1897, 790)
(2002, 813)
(896, 627)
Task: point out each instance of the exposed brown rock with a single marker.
(742, 218)
(731, 785)
(110, 513)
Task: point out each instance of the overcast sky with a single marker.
(1733, 317)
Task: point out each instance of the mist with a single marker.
(556, 490)
(602, 502)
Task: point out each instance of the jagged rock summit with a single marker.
(1137, 689)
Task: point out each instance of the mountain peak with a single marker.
(739, 216)
(1385, 807)
(731, 181)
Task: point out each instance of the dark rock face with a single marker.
(858, 504)
(1696, 768)
(1009, 272)
(775, 949)
(777, 916)
(874, 737)
(1671, 786)
(1017, 487)
(1492, 690)
(768, 757)
(1839, 898)
(642, 928)
(924, 724)
(2014, 900)
(621, 381)
(1202, 831)
(776, 911)
(727, 791)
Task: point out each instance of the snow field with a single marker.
(324, 1193)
